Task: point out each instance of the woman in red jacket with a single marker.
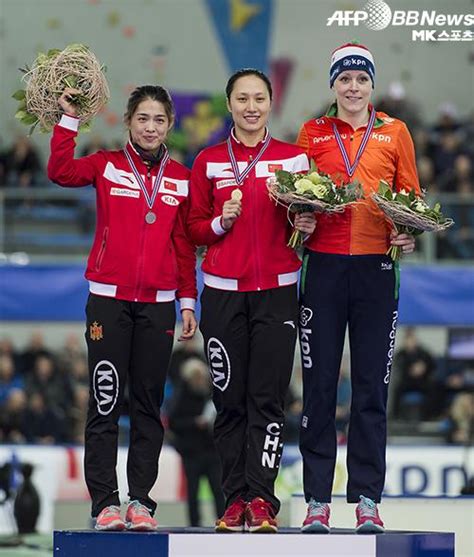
(249, 303)
(141, 260)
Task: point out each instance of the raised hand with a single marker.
(66, 103)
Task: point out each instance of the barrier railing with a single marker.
(58, 223)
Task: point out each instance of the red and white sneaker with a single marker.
(233, 520)
(368, 519)
(317, 518)
(260, 517)
(109, 519)
(138, 518)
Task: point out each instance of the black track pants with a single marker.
(250, 340)
(359, 292)
(127, 341)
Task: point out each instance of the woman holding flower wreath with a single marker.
(249, 302)
(349, 281)
(141, 260)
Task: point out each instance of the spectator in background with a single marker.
(54, 388)
(191, 420)
(444, 140)
(9, 379)
(458, 242)
(78, 373)
(20, 166)
(396, 103)
(426, 174)
(460, 173)
(469, 134)
(414, 368)
(72, 350)
(184, 352)
(12, 417)
(95, 143)
(445, 152)
(461, 419)
(448, 119)
(458, 378)
(79, 414)
(42, 425)
(35, 347)
(7, 348)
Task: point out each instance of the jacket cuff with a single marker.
(69, 122)
(217, 227)
(187, 303)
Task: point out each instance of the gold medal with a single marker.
(150, 217)
(236, 195)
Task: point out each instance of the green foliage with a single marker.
(219, 105)
(19, 95)
(412, 202)
(177, 141)
(286, 181)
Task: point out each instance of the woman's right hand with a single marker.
(65, 103)
(230, 213)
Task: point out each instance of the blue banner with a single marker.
(429, 295)
(243, 29)
(432, 295)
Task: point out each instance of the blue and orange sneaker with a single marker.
(139, 518)
(233, 520)
(317, 518)
(368, 519)
(109, 519)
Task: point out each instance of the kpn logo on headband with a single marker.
(377, 15)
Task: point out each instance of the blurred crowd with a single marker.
(44, 395)
(444, 146)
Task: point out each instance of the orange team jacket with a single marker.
(389, 155)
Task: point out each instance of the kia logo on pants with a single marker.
(105, 382)
(219, 363)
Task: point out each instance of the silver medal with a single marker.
(150, 217)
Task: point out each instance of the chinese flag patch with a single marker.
(171, 186)
(274, 167)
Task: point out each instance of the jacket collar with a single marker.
(137, 159)
(332, 115)
(259, 144)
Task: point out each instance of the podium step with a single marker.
(289, 542)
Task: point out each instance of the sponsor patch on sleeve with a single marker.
(124, 192)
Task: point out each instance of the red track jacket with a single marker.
(130, 259)
(253, 254)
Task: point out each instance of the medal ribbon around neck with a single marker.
(235, 167)
(156, 184)
(351, 168)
